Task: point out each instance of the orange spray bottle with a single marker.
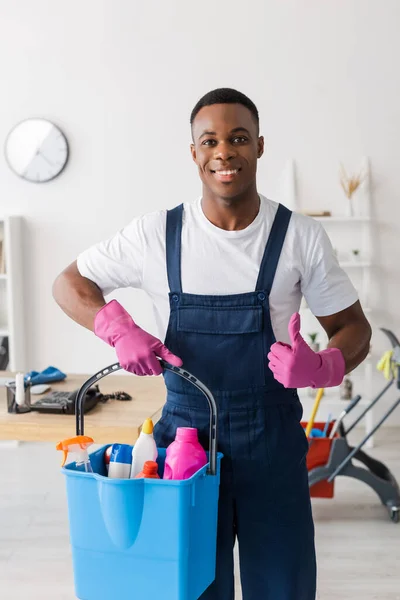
(78, 446)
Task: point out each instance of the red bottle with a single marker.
(150, 471)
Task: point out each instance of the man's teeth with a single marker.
(230, 172)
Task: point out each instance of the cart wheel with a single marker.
(395, 514)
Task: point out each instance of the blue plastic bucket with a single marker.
(144, 538)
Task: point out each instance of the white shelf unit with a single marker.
(347, 264)
(11, 291)
(342, 219)
(356, 229)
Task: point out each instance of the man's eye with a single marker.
(239, 139)
(209, 143)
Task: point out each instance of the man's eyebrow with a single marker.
(235, 130)
(207, 133)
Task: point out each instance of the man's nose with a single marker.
(224, 151)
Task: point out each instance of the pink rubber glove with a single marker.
(136, 349)
(297, 366)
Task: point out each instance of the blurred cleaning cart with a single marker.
(143, 538)
(331, 456)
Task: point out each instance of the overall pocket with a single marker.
(223, 346)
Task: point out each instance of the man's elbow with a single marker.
(62, 283)
(365, 334)
(58, 287)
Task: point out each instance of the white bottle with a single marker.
(144, 449)
(19, 389)
(120, 461)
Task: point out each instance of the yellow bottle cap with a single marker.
(148, 426)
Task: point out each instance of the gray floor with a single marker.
(358, 548)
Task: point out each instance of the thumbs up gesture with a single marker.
(297, 366)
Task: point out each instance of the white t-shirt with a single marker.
(219, 262)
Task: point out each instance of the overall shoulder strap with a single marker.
(173, 248)
(273, 249)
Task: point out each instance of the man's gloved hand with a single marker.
(136, 349)
(297, 366)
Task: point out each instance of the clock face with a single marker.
(36, 150)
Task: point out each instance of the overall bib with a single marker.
(264, 495)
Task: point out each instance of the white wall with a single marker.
(120, 78)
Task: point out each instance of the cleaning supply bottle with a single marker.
(77, 445)
(144, 449)
(150, 471)
(19, 389)
(120, 461)
(185, 456)
(107, 456)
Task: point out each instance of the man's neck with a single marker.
(231, 214)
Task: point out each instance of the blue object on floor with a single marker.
(49, 375)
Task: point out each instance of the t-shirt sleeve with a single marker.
(326, 287)
(116, 262)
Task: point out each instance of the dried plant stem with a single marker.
(350, 184)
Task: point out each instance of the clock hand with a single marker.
(46, 159)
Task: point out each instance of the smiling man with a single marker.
(226, 274)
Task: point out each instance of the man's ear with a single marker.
(193, 152)
(260, 146)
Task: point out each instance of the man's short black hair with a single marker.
(225, 96)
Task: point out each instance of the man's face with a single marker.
(226, 146)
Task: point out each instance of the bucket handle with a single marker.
(81, 396)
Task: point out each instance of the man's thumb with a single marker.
(163, 352)
(294, 329)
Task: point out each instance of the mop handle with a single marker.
(342, 415)
(81, 396)
(310, 423)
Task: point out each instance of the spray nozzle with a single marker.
(77, 445)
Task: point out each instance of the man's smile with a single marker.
(225, 175)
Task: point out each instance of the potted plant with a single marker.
(355, 254)
(314, 345)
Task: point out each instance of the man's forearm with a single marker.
(353, 340)
(78, 297)
(350, 332)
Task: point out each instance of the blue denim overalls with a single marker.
(264, 495)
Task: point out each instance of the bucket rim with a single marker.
(69, 471)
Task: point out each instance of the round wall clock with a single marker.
(36, 150)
